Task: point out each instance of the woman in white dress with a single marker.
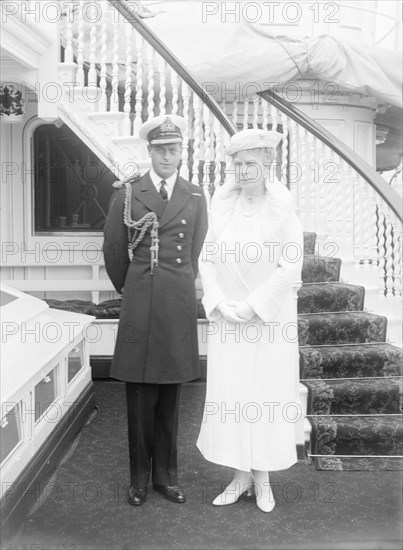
(251, 259)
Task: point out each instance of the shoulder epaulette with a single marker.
(133, 178)
(118, 184)
(129, 179)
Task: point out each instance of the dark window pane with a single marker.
(75, 362)
(45, 393)
(10, 432)
(72, 186)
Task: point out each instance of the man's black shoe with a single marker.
(172, 493)
(137, 497)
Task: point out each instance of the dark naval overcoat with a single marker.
(157, 335)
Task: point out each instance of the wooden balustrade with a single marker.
(134, 79)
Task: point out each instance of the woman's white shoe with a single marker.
(233, 492)
(264, 494)
(266, 503)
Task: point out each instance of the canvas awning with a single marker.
(231, 54)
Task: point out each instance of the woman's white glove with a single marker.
(244, 310)
(235, 312)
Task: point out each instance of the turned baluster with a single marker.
(104, 48)
(162, 67)
(139, 46)
(207, 147)
(255, 119)
(114, 101)
(219, 152)
(175, 93)
(304, 174)
(357, 220)
(245, 114)
(388, 257)
(235, 112)
(92, 73)
(197, 105)
(80, 77)
(284, 150)
(348, 212)
(68, 50)
(150, 82)
(185, 144)
(265, 114)
(273, 118)
(128, 82)
(397, 255)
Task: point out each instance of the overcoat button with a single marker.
(179, 247)
(181, 235)
(178, 261)
(183, 222)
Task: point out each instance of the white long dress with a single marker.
(251, 402)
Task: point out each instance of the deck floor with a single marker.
(84, 506)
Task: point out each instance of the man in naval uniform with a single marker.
(153, 237)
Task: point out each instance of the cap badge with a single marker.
(167, 125)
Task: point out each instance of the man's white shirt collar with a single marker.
(156, 179)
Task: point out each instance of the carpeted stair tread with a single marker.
(341, 328)
(358, 463)
(309, 242)
(324, 297)
(350, 361)
(377, 435)
(355, 396)
(320, 269)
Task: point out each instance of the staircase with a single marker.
(353, 377)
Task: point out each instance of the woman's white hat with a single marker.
(253, 139)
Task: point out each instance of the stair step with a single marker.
(320, 269)
(341, 328)
(358, 463)
(325, 297)
(377, 435)
(350, 361)
(309, 242)
(355, 396)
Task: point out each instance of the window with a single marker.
(10, 432)
(75, 362)
(46, 392)
(72, 186)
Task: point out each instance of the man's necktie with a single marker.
(163, 191)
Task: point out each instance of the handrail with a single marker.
(136, 22)
(389, 195)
